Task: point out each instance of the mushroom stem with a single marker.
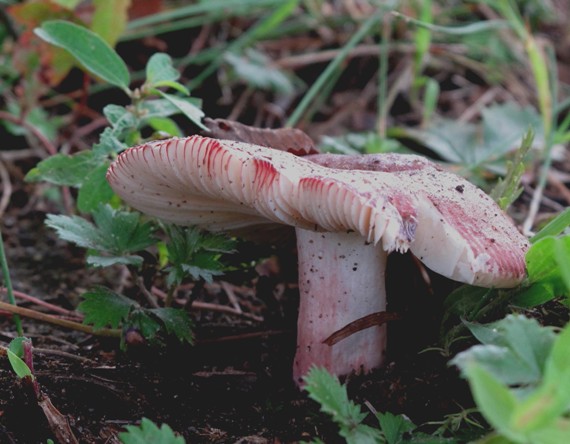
(341, 279)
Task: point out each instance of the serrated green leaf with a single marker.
(494, 400)
(61, 169)
(103, 308)
(123, 231)
(187, 108)
(195, 253)
(95, 190)
(177, 323)
(333, 399)
(148, 432)
(160, 69)
(87, 47)
(77, 230)
(394, 426)
(515, 349)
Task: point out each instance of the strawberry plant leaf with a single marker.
(87, 47)
(148, 432)
(333, 399)
(193, 253)
(77, 230)
(514, 349)
(123, 231)
(495, 401)
(394, 426)
(177, 322)
(104, 308)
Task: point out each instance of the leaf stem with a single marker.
(8, 285)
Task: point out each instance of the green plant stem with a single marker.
(32, 314)
(332, 68)
(8, 285)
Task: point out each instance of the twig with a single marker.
(140, 284)
(199, 305)
(32, 314)
(368, 321)
(256, 334)
(49, 147)
(37, 301)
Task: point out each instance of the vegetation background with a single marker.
(112, 317)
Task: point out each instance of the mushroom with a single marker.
(349, 212)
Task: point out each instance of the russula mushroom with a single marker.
(348, 213)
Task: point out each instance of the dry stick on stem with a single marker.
(199, 305)
(49, 147)
(32, 314)
(52, 307)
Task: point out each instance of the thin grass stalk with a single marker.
(383, 78)
(8, 285)
(320, 83)
(258, 31)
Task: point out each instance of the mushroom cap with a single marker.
(399, 201)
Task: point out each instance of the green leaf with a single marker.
(115, 232)
(109, 142)
(148, 432)
(123, 231)
(515, 350)
(95, 190)
(333, 398)
(187, 108)
(493, 399)
(195, 253)
(18, 365)
(77, 230)
(165, 125)
(177, 323)
(547, 263)
(160, 69)
(64, 170)
(110, 19)
(104, 308)
(87, 47)
(394, 426)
